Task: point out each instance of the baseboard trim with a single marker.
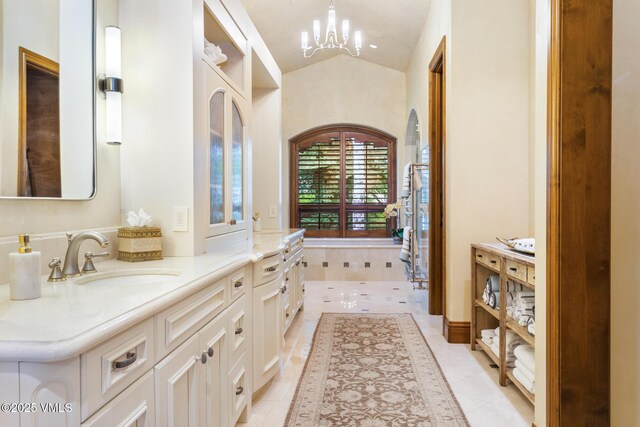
(457, 332)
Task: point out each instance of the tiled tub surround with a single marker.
(353, 260)
(53, 245)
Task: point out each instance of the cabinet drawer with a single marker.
(296, 244)
(488, 259)
(517, 270)
(182, 320)
(133, 407)
(108, 369)
(531, 275)
(238, 284)
(238, 391)
(238, 328)
(267, 269)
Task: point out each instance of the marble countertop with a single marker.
(71, 318)
(270, 242)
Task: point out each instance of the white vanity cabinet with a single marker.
(278, 295)
(267, 324)
(185, 365)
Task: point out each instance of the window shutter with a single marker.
(319, 183)
(343, 178)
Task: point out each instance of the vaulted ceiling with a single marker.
(392, 25)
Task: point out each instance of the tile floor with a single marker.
(473, 381)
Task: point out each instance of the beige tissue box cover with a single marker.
(139, 243)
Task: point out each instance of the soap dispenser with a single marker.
(24, 271)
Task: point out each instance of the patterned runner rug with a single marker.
(372, 370)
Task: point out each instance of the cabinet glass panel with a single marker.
(237, 137)
(216, 158)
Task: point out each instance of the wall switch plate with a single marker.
(272, 211)
(180, 218)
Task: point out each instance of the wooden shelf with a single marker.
(521, 331)
(530, 397)
(495, 313)
(490, 260)
(488, 351)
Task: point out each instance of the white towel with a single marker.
(531, 326)
(524, 381)
(510, 362)
(488, 333)
(531, 376)
(513, 286)
(493, 283)
(487, 341)
(406, 182)
(494, 300)
(405, 252)
(527, 355)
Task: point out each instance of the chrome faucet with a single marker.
(71, 267)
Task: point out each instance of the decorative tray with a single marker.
(525, 246)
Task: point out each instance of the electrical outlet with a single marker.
(180, 218)
(273, 211)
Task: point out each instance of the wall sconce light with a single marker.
(112, 86)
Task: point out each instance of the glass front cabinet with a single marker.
(226, 155)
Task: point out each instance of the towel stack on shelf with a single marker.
(488, 336)
(513, 341)
(525, 367)
(491, 294)
(522, 307)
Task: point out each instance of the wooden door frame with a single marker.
(26, 58)
(437, 176)
(579, 213)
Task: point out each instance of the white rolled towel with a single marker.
(514, 287)
(488, 332)
(527, 355)
(493, 283)
(494, 300)
(531, 326)
(524, 381)
(511, 360)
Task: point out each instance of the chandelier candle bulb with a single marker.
(316, 30)
(305, 40)
(331, 25)
(358, 36)
(345, 30)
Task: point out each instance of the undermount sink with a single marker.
(134, 276)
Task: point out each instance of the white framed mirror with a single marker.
(47, 99)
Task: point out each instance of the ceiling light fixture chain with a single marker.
(331, 40)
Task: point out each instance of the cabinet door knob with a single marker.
(203, 358)
(238, 284)
(238, 331)
(287, 315)
(239, 391)
(283, 289)
(210, 352)
(131, 358)
(233, 222)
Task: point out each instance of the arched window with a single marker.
(342, 177)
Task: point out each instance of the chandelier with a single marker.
(331, 37)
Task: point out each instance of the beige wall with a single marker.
(487, 146)
(625, 249)
(33, 216)
(266, 155)
(341, 90)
